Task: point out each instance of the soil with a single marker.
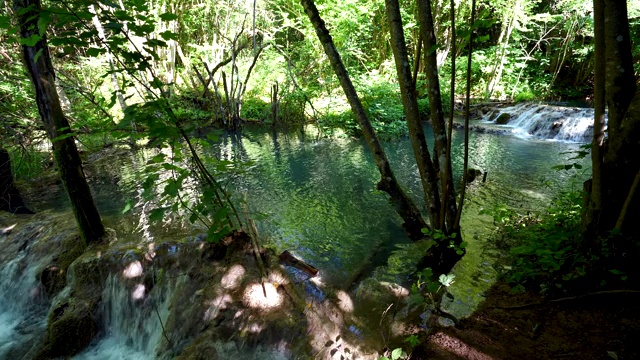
(604, 326)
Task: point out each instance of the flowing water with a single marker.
(316, 198)
(546, 121)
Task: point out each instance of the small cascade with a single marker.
(550, 122)
(22, 308)
(133, 320)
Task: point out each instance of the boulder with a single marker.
(503, 118)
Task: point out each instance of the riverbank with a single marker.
(524, 326)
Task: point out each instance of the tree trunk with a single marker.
(103, 43)
(613, 202)
(435, 104)
(38, 63)
(10, 199)
(406, 208)
(428, 175)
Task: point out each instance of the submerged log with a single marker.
(288, 259)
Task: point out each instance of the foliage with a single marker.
(546, 250)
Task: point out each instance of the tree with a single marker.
(442, 217)
(37, 61)
(406, 208)
(613, 198)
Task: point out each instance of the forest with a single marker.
(323, 179)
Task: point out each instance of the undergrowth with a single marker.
(546, 252)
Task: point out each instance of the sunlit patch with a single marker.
(232, 277)
(278, 279)
(138, 292)
(254, 328)
(317, 280)
(150, 254)
(254, 296)
(344, 301)
(132, 270)
(458, 347)
(219, 303)
(7, 230)
(238, 314)
(396, 289)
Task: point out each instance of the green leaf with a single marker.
(168, 16)
(156, 214)
(127, 207)
(168, 35)
(396, 353)
(446, 280)
(94, 52)
(158, 158)
(31, 40)
(155, 42)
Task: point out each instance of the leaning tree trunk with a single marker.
(10, 199)
(38, 63)
(406, 208)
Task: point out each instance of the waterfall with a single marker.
(549, 122)
(132, 316)
(22, 308)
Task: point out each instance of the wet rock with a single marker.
(71, 328)
(503, 118)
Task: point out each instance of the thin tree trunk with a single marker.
(595, 205)
(406, 208)
(428, 174)
(38, 63)
(103, 43)
(467, 115)
(435, 104)
(448, 174)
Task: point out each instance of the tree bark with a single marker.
(38, 63)
(612, 198)
(428, 174)
(435, 104)
(404, 206)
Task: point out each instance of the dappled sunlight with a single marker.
(458, 347)
(278, 279)
(7, 229)
(254, 296)
(253, 328)
(232, 278)
(133, 270)
(397, 290)
(138, 292)
(219, 303)
(344, 301)
(151, 251)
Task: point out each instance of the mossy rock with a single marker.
(503, 118)
(71, 327)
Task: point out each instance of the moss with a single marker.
(503, 118)
(71, 327)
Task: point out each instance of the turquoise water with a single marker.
(319, 199)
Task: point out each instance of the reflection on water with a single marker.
(317, 198)
(320, 201)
